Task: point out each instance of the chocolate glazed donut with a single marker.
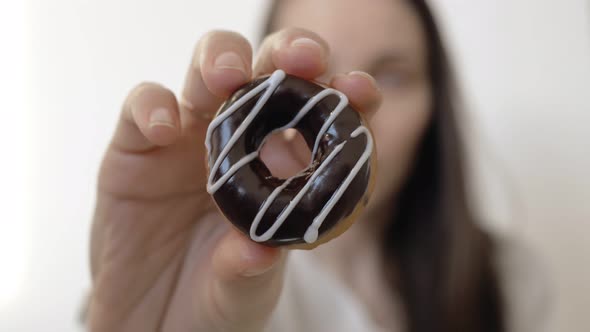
(312, 206)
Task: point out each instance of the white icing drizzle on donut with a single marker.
(292, 204)
(311, 235)
(270, 86)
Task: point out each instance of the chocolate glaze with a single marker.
(241, 197)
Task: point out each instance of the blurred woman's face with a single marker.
(384, 38)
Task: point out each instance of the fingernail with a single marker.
(306, 43)
(254, 254)
(290, 134)
(366, 76)
(161, 117)
(254, 272)
(230, 60)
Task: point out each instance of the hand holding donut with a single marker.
(162, 257)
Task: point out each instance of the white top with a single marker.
(314, 300)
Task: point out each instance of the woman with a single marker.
(163, 259)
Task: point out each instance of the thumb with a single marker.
(247, 281)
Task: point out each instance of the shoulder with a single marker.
(525, 283)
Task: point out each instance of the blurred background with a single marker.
(66, 65)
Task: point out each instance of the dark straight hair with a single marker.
(435, 254)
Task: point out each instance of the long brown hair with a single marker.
(435, 254)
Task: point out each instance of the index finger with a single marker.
(221, 63)
(297, 51)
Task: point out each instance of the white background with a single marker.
(65, 66)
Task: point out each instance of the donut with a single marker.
(314, 205)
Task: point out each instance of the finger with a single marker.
(247, 283)
(296, 51)
(149, 118)
(285, 154)
(361, 90)
(220, 64)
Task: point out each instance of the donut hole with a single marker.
(285, 153)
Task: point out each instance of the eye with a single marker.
(390, 78)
